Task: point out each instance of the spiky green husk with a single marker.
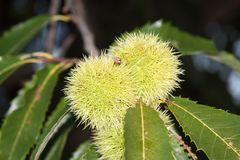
(110, 143)
(155, 65)
(99, 91)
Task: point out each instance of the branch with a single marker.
(67, 43)
(52, 27)
(187, 148)
(45, 57)
(79, 18)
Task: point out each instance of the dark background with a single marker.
(205, 81)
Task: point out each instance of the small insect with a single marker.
(117, 61)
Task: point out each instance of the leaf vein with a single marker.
(210, 129)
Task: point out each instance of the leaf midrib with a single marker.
(217, 135)
(143, 129)
(18, 63)
(29, 109)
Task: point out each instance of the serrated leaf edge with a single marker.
(36, 97)
(217, 135)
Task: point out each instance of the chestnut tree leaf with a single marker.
(214, 131)
(145, 134)
(13, 40)
(21, 128)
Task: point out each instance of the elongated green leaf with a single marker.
(55, 121)
(56, 150)
(85, 151)
(9, 64)
(146, 136)
(21, 128)
(17, 37)
(214, 131)
(184, 41)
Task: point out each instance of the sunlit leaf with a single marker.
(146, 136)
(21, 128)
(214, 131)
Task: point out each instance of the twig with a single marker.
(187, 148)
(79, 18)
(60, 60)
(67, 42)
(67, 6)
(52, 27)
(45, 57)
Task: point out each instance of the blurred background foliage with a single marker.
(205, 80)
